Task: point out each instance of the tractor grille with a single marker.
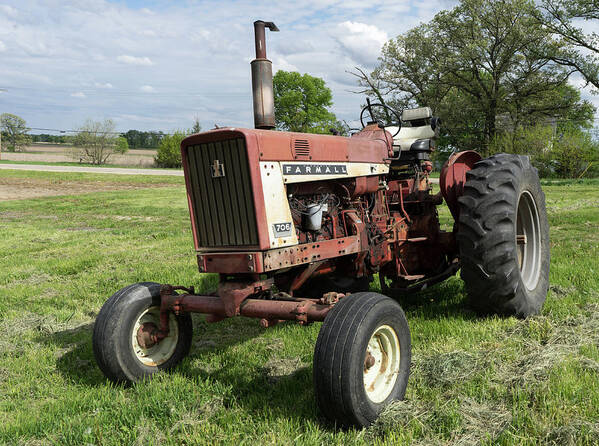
(221, 194)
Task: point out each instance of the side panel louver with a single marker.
(301, 149)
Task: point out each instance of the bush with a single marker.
(568, 152)
(169, 150)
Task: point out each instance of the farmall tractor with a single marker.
(296, 225)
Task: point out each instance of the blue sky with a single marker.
(158, 64)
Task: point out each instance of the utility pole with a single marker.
(2, 90)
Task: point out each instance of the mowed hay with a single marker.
(277, 368)
(571, 434)
(542, 344)
(444, 369)
(476, 421)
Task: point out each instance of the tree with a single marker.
(196, 128)
(482, 67)
(579, 49)
(301, 103)
(169, 150)
(122, 145)
(565, 151)
(96, 141)
(14, 132)
(143, 140)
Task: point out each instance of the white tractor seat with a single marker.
(416, 124)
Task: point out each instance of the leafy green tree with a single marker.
(576, 48)
(482, 67)
(169, 150)
(302, 102)
(96, 141)
(122, 145)
(14, 132)
(565, 151)
(143, 140)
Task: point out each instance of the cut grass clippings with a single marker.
(474, 380)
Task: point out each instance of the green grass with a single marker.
(474, 380)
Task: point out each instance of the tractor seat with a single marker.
(416, 130)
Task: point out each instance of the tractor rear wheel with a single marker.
(361, 359)
(503, 237)
(123, 351)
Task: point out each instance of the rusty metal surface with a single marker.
(303, 311)
(232, 294)
(262, 89)
(310, 252)
(231, 263)
(453, 178)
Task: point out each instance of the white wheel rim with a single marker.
(528, 240)
(381, 363)
(160, 352)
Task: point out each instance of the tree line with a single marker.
(498, 73)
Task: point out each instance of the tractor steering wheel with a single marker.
(385, 107)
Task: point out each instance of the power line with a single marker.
(111, 133)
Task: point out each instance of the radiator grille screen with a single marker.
(223, 206)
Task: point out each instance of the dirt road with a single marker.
(114, 170)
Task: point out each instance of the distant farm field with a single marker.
(54, 153)
(474, 380)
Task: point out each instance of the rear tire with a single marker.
(503, 237)
(116, 348)
(361, 359)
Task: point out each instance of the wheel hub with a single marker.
(528, 240)
(381, 363)
(150, 348)
(146, 335)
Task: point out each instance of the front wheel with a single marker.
(361, 359)
(122, 351)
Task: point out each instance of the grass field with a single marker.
(57, 154)
(474, 380)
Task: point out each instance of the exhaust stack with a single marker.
(262, 91)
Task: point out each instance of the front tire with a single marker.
(117, 348)
(361, 359)
(503, 237)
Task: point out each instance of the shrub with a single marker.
(169, 150)
(567, 152)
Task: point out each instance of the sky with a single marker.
(158, 64)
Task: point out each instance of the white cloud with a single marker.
(9, 11)
(147, 88)
(2, 46)
(78, 94)
(362, 41)
(133, 60)
(51, 52)
(281, 63)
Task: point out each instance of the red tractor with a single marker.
(296, 225)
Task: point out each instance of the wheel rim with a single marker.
(159, 352)
(381, 363)
(528, 240)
